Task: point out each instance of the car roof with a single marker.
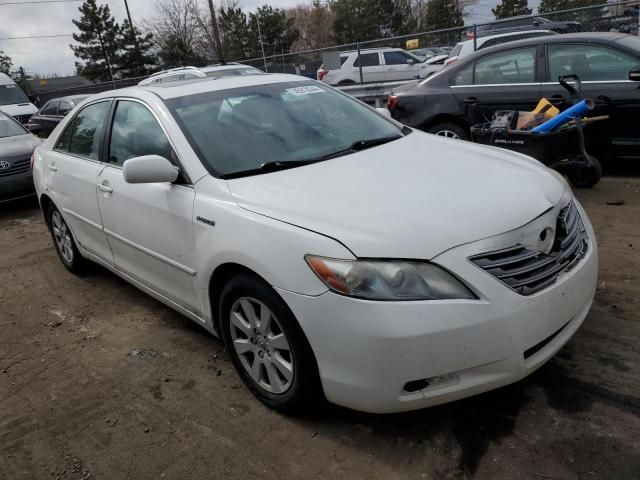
(228, 66)
(507, 34)
(563, 38)
(202, 85)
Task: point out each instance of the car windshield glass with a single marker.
(11, 94)
(232, 72)
(630, 41)
(242, 129)
(9, 128)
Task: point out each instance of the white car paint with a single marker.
(19, 110)
(420, 197)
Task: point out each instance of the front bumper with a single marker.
(16, 186)
(367, 352)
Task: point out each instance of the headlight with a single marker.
(388, 279)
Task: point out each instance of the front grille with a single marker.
(20, 165)
(528, 271)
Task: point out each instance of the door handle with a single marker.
(557, 99)
(471, 100)
(105, 188)
(52, 167)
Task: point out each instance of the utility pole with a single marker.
(106, 57)
(135, 39)
(216, 32)
(264, 59)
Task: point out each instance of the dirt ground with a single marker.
(98, 380)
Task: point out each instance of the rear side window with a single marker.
(65, 107)
(367, 60)
(513, 66)
(456, 50)
(82, 136)
(590, 62)
(135, 132)
(51, 108)
(396, 58)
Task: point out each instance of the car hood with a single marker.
(411, 198)
(18, 146)
(19, 109)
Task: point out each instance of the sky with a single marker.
(47, 56)
(52, 55)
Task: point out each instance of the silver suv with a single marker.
(378, 65)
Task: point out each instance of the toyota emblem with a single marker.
(4, 165)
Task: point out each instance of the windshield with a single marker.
(630, 41)
(11, 94)
(233, 72)
(9, 127)
(244, 128)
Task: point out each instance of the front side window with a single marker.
(241, 129)
(85, 133)
(367, 60)
(589, 62)
(134, 133)
(51, 108)
(11, 94)
(9, 127)
(513, 66)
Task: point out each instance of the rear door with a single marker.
(400, 65)
(604, 74)
(504, 80)
(372, 68)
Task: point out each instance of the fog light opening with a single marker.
(417, 385)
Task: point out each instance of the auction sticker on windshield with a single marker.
(306, 90)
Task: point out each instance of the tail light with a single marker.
(321, 73)
(392, 101)
(451, 60)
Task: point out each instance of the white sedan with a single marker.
(336, 252)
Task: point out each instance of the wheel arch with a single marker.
(45, 203)
(442, 118)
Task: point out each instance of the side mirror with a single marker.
(634, 74)
(149, 169)
(34, 127)
(410, 61)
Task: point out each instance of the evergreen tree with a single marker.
(235, 33)
(441, 15)
(511, 8)
(174, 51)
(277, 29)
(136, 57)
(97, 42)
(5, 63)
(362, 20)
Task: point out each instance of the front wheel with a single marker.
(267, 346)
(450, 130)
(587, 176)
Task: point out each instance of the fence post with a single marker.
(359, 63)
(475, 35)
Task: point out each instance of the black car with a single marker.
(520, 24)
(515, 75)
(49, 116)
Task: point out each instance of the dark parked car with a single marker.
(16, 147)
(52, 112)
(515, 75)
(520, 24)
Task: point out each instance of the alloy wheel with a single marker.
(62, 236)
(448, 134)
(261, 345)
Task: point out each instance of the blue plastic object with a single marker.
(569, 114)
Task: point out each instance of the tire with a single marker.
(450, 130)
(64, 242)
(261, 353)
(586, 177)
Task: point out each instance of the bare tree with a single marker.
(314, 23)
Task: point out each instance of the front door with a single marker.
(500, 81)
(149, 226)
(72, 167)
(604, 74)
(400, 65)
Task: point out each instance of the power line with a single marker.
(35, 36)
(30, 2)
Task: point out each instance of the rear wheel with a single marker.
(587, 176)
(64, 243)
(267, 346)
(450, 130)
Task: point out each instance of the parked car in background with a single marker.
(428, 52)
(378, 65)
(520, 24)
(290, 220)
(13, 101)
(514, 76)
(188, 73)
(47, 118)
(467, 47)
(16, 146)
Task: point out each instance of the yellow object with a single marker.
(413, 43)
(547, 108)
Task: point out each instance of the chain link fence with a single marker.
(418, 55)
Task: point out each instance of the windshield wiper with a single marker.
(357, 146)
(269, 167)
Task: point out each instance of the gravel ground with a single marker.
(98, 380)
